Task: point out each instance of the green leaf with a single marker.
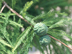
(5, 43)
(13, 3)
(2, 47)
(60, 23)
(15, 24)
(27, 43)
(44, 16)
(30, 20)
(21, 38)
(26, 7)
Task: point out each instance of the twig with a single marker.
(2, 8)
(61, 42)
(15, 12)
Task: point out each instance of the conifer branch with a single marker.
(15, 12)
(60, 42)
(30, 24)
(2, 8)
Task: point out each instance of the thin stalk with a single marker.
(2, 9)
(60, 42)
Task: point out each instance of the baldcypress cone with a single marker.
(40, 29)
(45, 40)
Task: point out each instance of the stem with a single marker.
(2, 8)
(60, 42)
(15, 12)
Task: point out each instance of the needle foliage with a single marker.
(17, 36)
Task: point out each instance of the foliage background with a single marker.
(13, 40)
